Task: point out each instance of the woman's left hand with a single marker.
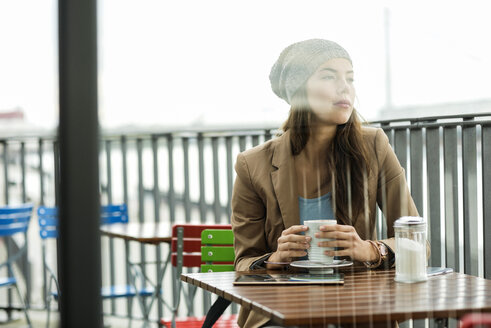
(348, 239)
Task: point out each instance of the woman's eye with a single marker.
(351, 80)
(328, 77)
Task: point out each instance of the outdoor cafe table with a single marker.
(367, 296)
(150, 233)
(146, 233)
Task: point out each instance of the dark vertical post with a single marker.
(433, 185)
(156, 205)
(187, 201)
(41, 202)
(201, 161)
(109, 192)
(216, 181)
(56, 160)
(25, 261)
(109, 172)
(389, 132)
(141, 196)
(202, 200)
(41, 172)
(469, 184)
(255, 140)
(141, 191)
(156, 188)
(5, 172)
(242, 143)
(400, 147)
(230, 174)
(125, 169)
(124, 164)
(79, 239)
(416, 160)
(171, 193)
(6, 199)
(451, 197)
(486, 196)
(23, 170)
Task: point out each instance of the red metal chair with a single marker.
(186, 253)
(476, 320)
(225, 321)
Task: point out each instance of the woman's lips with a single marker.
(343, 104)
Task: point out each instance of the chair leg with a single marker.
(129, 308)
(47, 320)
(48, 309)
(23, 305)
(48, 300)
(215, 312)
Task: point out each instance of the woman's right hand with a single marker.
(290, 245)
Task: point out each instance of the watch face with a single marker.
(383, 249)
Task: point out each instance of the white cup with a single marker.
(315, 252)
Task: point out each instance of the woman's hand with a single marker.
(348, 239)
(290, 245)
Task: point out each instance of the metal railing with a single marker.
(187, 176)
(448, 169)
(447, 165)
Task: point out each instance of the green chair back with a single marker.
(217, 250)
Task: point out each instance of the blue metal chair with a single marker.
(48, 228)
(14, 220)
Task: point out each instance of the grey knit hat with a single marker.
(298, 62)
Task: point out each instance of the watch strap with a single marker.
(375, 264)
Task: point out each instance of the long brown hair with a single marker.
(348, 160)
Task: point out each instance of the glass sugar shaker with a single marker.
(410, 236)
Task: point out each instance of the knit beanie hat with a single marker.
(298, 62)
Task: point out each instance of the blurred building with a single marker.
(14, 123)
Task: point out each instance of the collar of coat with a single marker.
(284, 180)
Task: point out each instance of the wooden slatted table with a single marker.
(366, 297)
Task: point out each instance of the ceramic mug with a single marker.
(315, 252)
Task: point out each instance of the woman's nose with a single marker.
(343, 85)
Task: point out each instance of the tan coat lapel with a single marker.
(285, 182)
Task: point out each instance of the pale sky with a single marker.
(183, 62)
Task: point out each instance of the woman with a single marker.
(324, 165)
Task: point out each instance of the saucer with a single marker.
(277, 263)
(319, 267)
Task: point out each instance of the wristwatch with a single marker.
(383, 253)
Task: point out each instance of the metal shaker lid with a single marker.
(409, 221)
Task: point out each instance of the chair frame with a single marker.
(217, 247)
(186, 251)
(14, 220)
(110, 214)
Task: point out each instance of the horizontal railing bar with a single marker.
(434, 125)
(238, 130)
(248, 132)
(33, 138)
(210, 131)
(433, 118)
(204, 133)
(417, 125)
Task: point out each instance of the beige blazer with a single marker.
(265, 200)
